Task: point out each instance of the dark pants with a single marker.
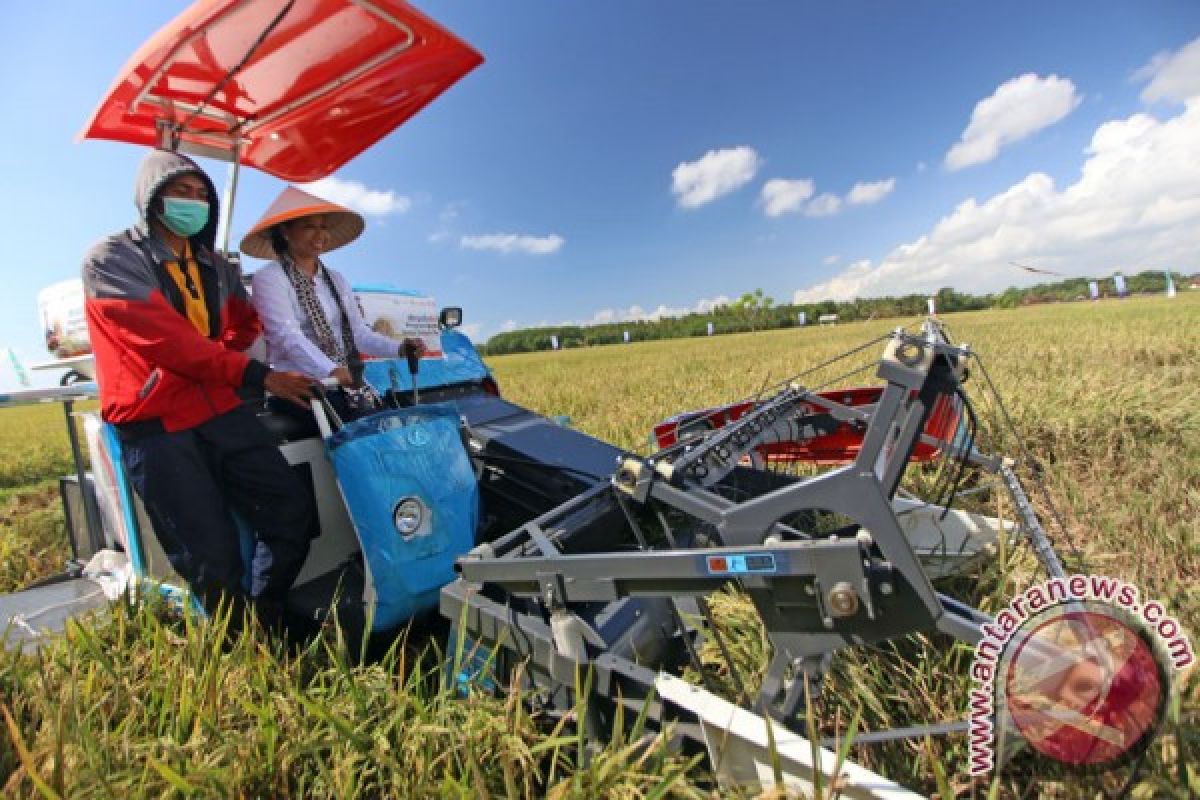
(189, 482)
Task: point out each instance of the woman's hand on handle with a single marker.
(412, 345)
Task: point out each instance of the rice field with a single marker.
(150, 705)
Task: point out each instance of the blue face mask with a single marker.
(184, 217)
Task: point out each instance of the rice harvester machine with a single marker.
(551, 554)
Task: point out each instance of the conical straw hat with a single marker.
(344, 225)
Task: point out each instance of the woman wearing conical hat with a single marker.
(310, 317)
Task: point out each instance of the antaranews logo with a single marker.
(1077, 667)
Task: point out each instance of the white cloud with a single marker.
(824, 205)
(635, 312)
(359, 197)
(514, 243)
(704, 306)
(866, 193)
(781, 196)
(472, 330)
(718, 172)
(1017, 109)
(1135, 205)
(446, 218)
(1172, 76)
(833, 259)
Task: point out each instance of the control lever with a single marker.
(394, 380)
(327, 417)
(413, 357)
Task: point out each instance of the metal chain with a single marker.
(1033, 462)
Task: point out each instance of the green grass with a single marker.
(1104, 394)
(152, 705)
(34, 442)
(36, 452)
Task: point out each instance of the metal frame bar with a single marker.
(90, 514)
(229, 142)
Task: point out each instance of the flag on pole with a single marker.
(932, 303)
(553, 342)
(1170, 285)
(1094, 290)
(802, 317)
(710, 328)
(18, 368)
(1119, 283)
(626, 337)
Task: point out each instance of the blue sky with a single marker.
(624, 159)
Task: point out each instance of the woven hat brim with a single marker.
(344, 227)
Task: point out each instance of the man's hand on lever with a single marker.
(291, 386)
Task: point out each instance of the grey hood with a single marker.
(160, 166)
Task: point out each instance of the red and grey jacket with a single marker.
(155, 370)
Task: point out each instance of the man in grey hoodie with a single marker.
(169, 319)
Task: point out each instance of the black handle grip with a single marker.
(412, 357)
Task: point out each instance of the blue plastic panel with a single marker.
(385, 458)
(460, 365)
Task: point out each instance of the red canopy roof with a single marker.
(330, 79)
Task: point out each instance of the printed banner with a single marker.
(400, 316)
(63, 321)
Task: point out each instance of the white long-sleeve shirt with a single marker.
(291, 338)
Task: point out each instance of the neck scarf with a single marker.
(359, 401)
(344, 352)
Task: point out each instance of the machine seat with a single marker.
(285, 428)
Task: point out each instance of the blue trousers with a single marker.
(190, 480)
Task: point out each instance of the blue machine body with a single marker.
(459, 364)
(381, 461)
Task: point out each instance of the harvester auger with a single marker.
(614, 580)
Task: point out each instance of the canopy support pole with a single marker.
(226, 221)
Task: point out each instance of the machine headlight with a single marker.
(408, 516)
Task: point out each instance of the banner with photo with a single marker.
(400, 316)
